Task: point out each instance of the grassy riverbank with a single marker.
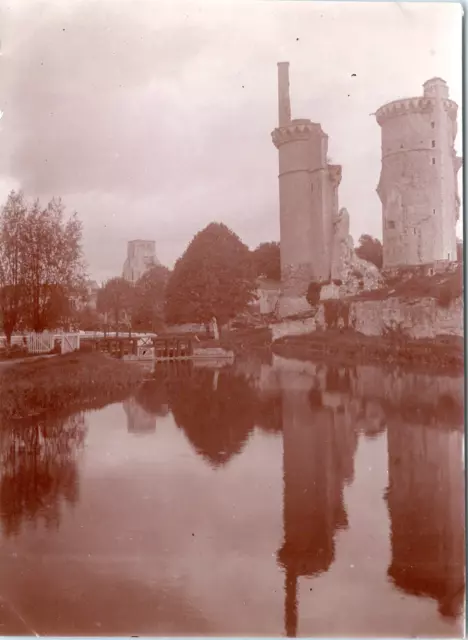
(349, 347)
(64, 383)
(244, 340)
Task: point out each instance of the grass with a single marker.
(8, 356)
(350, 347)
(255, 338)
(71, 382)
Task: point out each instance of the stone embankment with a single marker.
(418, 318)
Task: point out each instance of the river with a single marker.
(278, 498)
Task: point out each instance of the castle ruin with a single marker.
(418, 184)
(316, 245)
(308, 192)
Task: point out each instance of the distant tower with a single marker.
(141, 255)
(418, 183)
(308, 191)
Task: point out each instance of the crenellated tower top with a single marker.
(435, 90)
(300, 129)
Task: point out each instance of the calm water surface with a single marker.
(280, 499)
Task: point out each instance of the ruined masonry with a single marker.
(418, 184)
(315, 241)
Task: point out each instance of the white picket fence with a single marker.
(40, 342)
(45, 342)
(92, 335)
(69, 342)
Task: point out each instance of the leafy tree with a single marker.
(116, 298)
(266, 260)
(149, 299)
(86, 318)
(12, 222)
(370, 249)
(214, 278)
(53, 270)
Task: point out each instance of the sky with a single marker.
(153, 118)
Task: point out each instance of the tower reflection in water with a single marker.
(324, 411)
(149, 402)
(319, 443)
(426, 501)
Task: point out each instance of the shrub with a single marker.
(86, 346)
(313, 293)
(444, 296)
(395, 331)
(336, 310)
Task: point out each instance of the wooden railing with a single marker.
(166, 348)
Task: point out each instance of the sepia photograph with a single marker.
(232, 384)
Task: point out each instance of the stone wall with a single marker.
(422, 318)
(297, 327)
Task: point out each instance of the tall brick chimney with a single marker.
(284, 103)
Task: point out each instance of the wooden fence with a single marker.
(40, 342)
(69, 342)
(44, 342)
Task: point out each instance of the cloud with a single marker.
(154, 118)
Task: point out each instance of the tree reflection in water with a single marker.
(38, 470)
(216, 410)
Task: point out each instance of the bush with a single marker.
(395, 332)
(336, 310)
(444, 296)
(313, 293)
(86, 346)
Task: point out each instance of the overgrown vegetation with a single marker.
(313, 293)
(370, 249)
(258, 338)
(71, 382)
(336, 314)
(412, 284)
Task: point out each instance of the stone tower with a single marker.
(308, 191)
(418, 183)
(141, 255)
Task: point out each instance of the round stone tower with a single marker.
(308, 192)
(418, 181)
